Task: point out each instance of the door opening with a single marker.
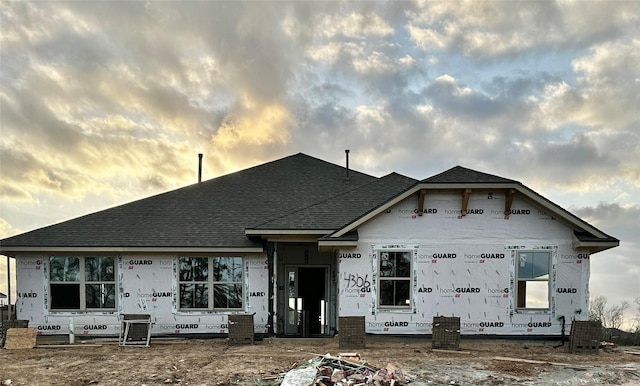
(307, 301)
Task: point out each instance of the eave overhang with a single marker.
(331, 245)
(594, 245)
(349, 240)
(288, 235)
(267, 232)
(14, 249)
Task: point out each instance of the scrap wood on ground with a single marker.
(328, 370)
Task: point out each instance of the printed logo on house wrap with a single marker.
(468, 290)
(458, 291)
(165, 294)
(519, 212)
(498, 292)
(94, 327)
(482, 258)
(153, 296)
(480, 327)
(388, 326)
(132, 263)
(414, 213)
(350, 256)
(217, 326)
(532, 326)
(30, 264)
(140, 262)
(574, 258)
(567, 290)
(444, 256)
(458, 213)
(187, 326)
(29, 294)
(49, 327)
(433, 258)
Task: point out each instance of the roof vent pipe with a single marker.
(199, 167)
(347, 155)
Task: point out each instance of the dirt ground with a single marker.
(214, 362)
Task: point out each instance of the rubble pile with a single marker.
(335, 371)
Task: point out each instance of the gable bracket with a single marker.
(465, 201)
(423, 193)
(508, 201)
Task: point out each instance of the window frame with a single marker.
(520, 300)
(409, 279)
(82, 283)
(210, 283)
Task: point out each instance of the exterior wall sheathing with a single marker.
(146, 284)
(464, 266)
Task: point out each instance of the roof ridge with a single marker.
(461, 174)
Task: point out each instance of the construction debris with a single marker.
(336, 371)
(20, 338)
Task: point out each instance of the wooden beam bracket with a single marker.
(509, 200)
(423, 193)
(465, 201)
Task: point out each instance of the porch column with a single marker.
(272, 281)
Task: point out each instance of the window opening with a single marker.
(82, 283)
(395, 279)
(532, 290)
(210, 283)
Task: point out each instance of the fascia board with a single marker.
(470, 185)
(375, 212)
(559, 212)
(338, 243)
(292, 238)
(135, 249)
(260, 232)
(595, 246)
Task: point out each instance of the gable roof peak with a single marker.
(460, 174)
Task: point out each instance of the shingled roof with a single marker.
(344, 208)
(297, 194)
(459, 174)
(210, 214)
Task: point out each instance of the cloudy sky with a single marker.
(103, 103)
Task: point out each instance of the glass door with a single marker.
(294, 303)
(306, 313)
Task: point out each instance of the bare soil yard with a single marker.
(214, 362)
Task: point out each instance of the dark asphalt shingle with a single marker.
(338, 211)
(298, 192)
(213, 213)
(459, 174)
